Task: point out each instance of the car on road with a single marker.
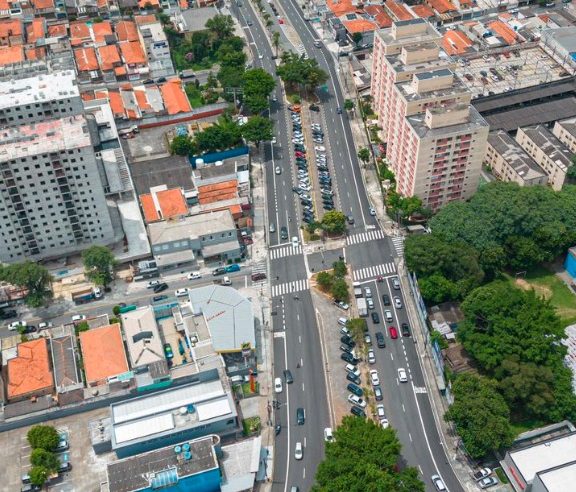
(367, 339)
(44, 325)
(16, 324)
(320, 148)
(367, 292)
(487, 482)
(346, 357)
(358, 412)
(295, 241)
(393, 332)
(194, 275)
(370, 303)
(402, 377)
(219, 271)
(353, 378)
(346, 349)
(328, 436)
(378, 393)
(482, 473)
(388, 315)
(256, 276)
(396, 283)
(356, 400)
(78, 317)
(8, 313)
(283, 232)
(300, 416)
(357, 390)
(277, 385)
(152, 284)
(168, 351)
(380, 340)
(298, 451)
(438, 483)
(375, 317)
(29, 329)
(159, 298)
(380, 411)
(339, 110)
(181, 292)
(405, 330)
(343, 321)
(288, 376)
(372, 212)
(344, 331)
(350, 219)
(374, 379)
(397, 302)
(386, 299)
(160, 287)
(278, 170)
(384, 423)
(371, 357)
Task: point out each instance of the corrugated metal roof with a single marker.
(144, 427)
(213, 409)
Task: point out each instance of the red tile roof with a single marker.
(456, 42)
(504, 31)
(101, 30)
(398, 11)
(341, 7)
(35, 53)
(423, 11)
(43, 4)
(174, 97)
(11, 54)
(170, 202)
(442, 6)
(79, 33)
(126, 31)
(36, 30)
(145, 19)
(103, 353)
(10, 28)
(379, 14)
(109, 57)
(142, 99)
(153, 3)
(132, 52)
(57, 30)
(30, 372)
(116, 104)
(86, 59)
(218, 192)
(359, 25)
(4, 5)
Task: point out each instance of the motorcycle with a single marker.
(277, 429)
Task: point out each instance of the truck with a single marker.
(86, 295)
(357, 290)
(223, 281)
(129, 130)
(362, 308)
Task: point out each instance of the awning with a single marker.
(220, 248)
(175, 258)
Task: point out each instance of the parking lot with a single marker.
(510, 70)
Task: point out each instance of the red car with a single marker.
(393, 332)
(299, 154)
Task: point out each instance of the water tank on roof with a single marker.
(187, 455)
(177, 449)
(183, 410)
(199, 162)
(185, 447)
(191, 409)
(218, 163)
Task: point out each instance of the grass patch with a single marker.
(547, 285)
(251, 425)
(501, 475)
(246, 388)
(194, 96)
(520, 426)
(308, 237)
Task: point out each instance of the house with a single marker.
(163, 204)
(142, 338)
(30, 372)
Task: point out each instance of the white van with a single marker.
(342, 321)
(388, 315)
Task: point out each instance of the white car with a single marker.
(278, 170)
(372, 211)
(298, 451)
(15, 324)
(397, 303)
(370, 303)
(44, 325)
(352, 369)
(384, 423)
(356, 400)
(194, 275)
(273, 140)
(328, 436)
(380, 411)
(371, 357)
(374, 379)
(295, 241)
(403, 378)
(278, 385)
(438, 483)
(181, 292)
(152, 283)
(320, 148)
(78, 317)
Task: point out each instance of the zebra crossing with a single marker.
(290, 287)
(363, 237)
(260, 267)
(374, 271)
(284, 251)
(398, 243)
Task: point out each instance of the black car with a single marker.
(288, 376)
(348, 340)
(350, 219)
(386, 299)
(29, 329)
(375, 317)
(353, 378)
(377, 393)
(308, 220)
(346, 348)
(405, 330)
(7, 313)
(380, 340)
(163, 286)
(358, 411)
(314, 107)
(345, 356)
(159, 298)
(283, 233)
(327, 206)
(300, 416)
(219, 271)
(355, 389)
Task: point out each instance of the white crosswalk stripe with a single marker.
(419, 389)
(260, 267)
(290, 287)
(398, 242)
(284, 251)
(374, 271)
(363, 237)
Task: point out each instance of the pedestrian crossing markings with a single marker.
(284, 251)
(374, 271)
(398, 243)
(365, 237)
(290, 287)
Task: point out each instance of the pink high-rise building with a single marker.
(435, 139)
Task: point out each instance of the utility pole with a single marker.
(235, 91)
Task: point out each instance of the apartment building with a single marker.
(435, 139)
(156, 46)
(549, 152)
(510, 162)
(565, 131)
(52, 200)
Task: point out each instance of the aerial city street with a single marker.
(288, 246)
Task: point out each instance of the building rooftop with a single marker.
(142, 337)
(569, 125)
(164, 466)
(11, 54)
(475, 121)
(174, 97)
(66, 373)
(240, 463)
(195, 19)
(191, 227)
(398, 11)
(559, 478)
(44, 137)
(550, 145)
(456, 88)
(544, 455)
(228, 314)
(169, 411)
(127, 31)
(163, 203)
(430, 34)
(30, 371)
(40, 88)
(455, 42)
(515, 156)
(103, 353)
(565, 36)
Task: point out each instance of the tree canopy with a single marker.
(257, 86)
(480, 415)
(334, 222)
(257, 129)
(43, 437)
(46, 459)
(222, 135)
(220, 26)
(363, 458)
(31, 276)
(182, 145)
(295, 70)
(99, 264)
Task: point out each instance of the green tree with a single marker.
(82, 326)
(357, 327)
(357, 38)
(220, 26)
(339, 290)
(364, 155)
(400, 207)
(31, 276)
(334, 222)
(348, 105)
(276, 41)
(43, 437)
(340, 269)
(224, 134)
(325, 280)
(480, 415)
(257, 129)
(182, 145)
(46, 459)
(38, 475)
(363, 456)
(257, 86)
(297, 71)
(571, 173)
(99, 264)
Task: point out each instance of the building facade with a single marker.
(51, 190)
(435, 139)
